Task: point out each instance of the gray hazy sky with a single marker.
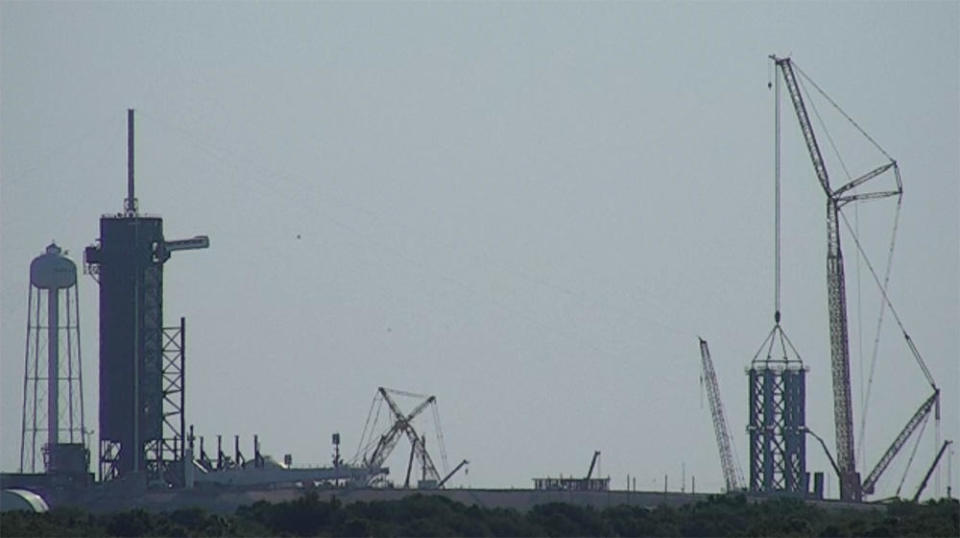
(530, 210)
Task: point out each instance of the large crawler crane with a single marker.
(851, 488)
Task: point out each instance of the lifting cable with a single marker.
(363, 435)
(886, 298)
(845, 115)
(440, 443)
(883, 310)
(776, 198)
(863, 395)
(362, 449)
(846, 171)
(823, 127)
(861, 255)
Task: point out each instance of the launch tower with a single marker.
(141, 363)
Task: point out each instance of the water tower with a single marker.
(52, 430)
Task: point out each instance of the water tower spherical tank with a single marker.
(51, 270)
(52, 370)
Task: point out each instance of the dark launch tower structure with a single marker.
(777, 420)
(141, 363)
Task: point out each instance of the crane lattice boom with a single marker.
(926, 477)
(593, 464)
(732, 475)
(451, 473)
(402, 425)
(870, 482)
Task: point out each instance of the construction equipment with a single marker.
(850, 487)
(375, 449)
(402, 425)
(833, 462)
(451, 473)
(870, 482)
(593, 464)
(776, 420)
(413, 453)
(732, 475)
(386, 442)
(571, 483)
(926, 477)
(776, 394)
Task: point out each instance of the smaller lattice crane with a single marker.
(593, 464)
(933, 467)
(453, 472)
(376, 448)
(732, 474)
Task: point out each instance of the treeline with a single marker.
(421, 515)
